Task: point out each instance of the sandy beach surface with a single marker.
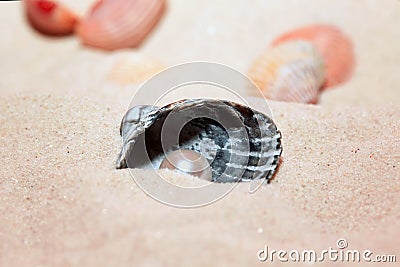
(62, 203)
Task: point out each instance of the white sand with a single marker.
(63, 204)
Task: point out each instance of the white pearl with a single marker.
(188, 161)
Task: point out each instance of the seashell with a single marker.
(132, 70)
(189, 162)
(334, 46)
(291, 72)
(239, 143)
(117, 24)
(133, 118)
(49, 17)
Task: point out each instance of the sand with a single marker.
(63, 204)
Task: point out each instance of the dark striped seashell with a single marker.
(240, 143)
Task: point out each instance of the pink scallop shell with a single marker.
(335, 47)
(118, 24)
(290, 72)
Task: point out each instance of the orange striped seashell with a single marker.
(117, 24)
(335, 47)
(49, 17)
(290, 72)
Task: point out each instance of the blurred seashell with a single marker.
(290, 72)
(335, 47)
(49, 17)
(117, 24)
(133, 70)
